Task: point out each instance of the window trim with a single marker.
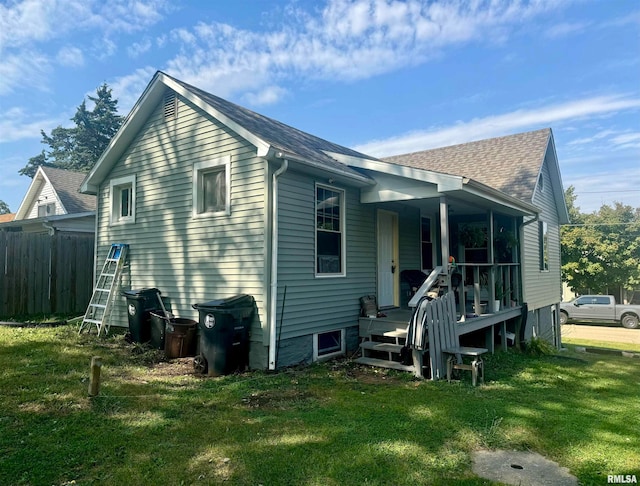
(341, 352)
(115, 205)
(543, 246)
(206, 166)
(343, 232)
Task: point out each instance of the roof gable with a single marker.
(510, 164)
(269, 136)
(64, 184)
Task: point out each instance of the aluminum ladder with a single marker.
(102, 298)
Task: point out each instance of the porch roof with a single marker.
(415, 185)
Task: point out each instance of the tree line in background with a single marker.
(79, 147)
(601, 250)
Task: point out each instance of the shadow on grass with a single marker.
(334, 423)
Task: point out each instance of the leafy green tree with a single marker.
(78, 148)
(601, 250)
(4, 207)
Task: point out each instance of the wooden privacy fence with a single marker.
(42, 273)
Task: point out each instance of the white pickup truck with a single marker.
(600, 308)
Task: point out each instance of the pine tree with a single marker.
(78, 148)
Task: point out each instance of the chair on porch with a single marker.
(433, 327)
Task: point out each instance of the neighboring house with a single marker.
(47, 249)
(5, 218)
(215, 200)
(524, 166)
(53, 203)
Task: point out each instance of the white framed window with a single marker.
(327, 345)
(543, 238)
(330, 232)
(123, 200)
(212, 187)
(47, 209)
(426, 247)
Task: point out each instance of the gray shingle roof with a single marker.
(510, 164)
(279, 135)
(67, 183)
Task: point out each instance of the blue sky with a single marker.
(382, 76)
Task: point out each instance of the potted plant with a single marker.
(504, 242)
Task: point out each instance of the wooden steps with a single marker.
(383, 363)
(381, 347)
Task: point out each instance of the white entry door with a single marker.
(388, 273)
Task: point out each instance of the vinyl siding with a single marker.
(46, 195)
(191, 260)
(317, 304)
(542, 288)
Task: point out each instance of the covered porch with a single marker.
(456, 235)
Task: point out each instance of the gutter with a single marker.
(274, 261)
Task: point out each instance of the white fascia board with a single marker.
(395, 188)
(124, 136)
(349, 176)
(445, 182)
(39, 179)
(556, 181)
(138, 116)
(262, 147)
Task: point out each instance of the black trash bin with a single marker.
(224, 334)
(140, 303)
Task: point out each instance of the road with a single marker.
(601, 333)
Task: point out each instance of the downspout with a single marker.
(52, 231)
(274, 262)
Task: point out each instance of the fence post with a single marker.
(94, 380)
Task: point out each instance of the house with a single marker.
(47, 249)
(524, 166)
(216, 200)
(53, 203)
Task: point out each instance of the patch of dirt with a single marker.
(279, 399)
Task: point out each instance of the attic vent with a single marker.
(170, 106)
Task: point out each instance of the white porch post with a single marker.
(444, 234)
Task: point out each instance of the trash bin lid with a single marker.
(237, 301)
(139, 293)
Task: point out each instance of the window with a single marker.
(543, 235)
(329, 231)
(541, 182)
(426, 246)
(46, 210)
(328, 344)
(593, 300)
(211, 187)
(123, 200)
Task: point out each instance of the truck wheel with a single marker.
(563, 318)
(630, 321)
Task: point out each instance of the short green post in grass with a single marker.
(94, 380)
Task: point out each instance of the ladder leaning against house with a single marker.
(100, 304)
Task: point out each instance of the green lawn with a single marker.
(331, 424)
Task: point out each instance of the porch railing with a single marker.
(431, 280)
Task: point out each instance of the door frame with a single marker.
(395, 257)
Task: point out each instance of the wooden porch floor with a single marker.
(398, 319)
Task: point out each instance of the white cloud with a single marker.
(348, 40)
(16, 124)
(627, 140)
(30, 67)
(266, 96)
(565, 29)
(26, 25)
(138, 48)
(498, 125)
(128, 89)
(70, 56)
